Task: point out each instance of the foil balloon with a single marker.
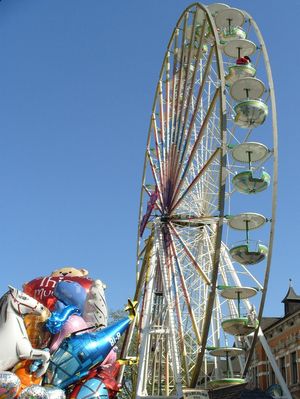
(57, 319)
(37, 334)
(27, 378)
(110, 359)
(9, 385)
(42, 288)
(73, 324)
(95, 310)
(15, 344)
(55, 393)
(92, 388)
(109, 377)
(36, 364)
(34, 392)
(81, 352)
(92, 383)
(69, 293)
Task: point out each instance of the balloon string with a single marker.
(87, 329)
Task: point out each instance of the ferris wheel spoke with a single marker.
(162, 121)
(191, 86)
(185, 292)
(187, 90)
(181, 153)
(158, 150)
(173, 92)
(168, 105)
(186, 133)
(188, 84)
(180, 80)
(149, 195)
(145, 188)
(185, 66)
(190, 255)
(158, 182)
(260, 286)
(180, 329)
(165, 260)
(196, 145)
(259, 54)
(196, 179)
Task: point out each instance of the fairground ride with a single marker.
(207, 209)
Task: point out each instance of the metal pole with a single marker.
(239, 303)
(273, 363)
(143, 353)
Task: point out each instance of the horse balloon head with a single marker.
(24, 304)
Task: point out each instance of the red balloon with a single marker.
(42, 288)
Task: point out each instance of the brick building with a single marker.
(283, 337)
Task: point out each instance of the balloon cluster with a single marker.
(55, 342)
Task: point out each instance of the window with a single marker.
(282, 367)
(294, 371)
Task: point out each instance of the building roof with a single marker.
(266, 322)
(291, 296)
(271, 322)
(291, 308)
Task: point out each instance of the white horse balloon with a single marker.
(14, 341)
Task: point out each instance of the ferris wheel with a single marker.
(207, 207)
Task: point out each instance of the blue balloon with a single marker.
(93, 388)
(79, 353)
(69, 293)
(37, 363)
(57, 319)
(59, 306)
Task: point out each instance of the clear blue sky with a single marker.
(77, 79)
